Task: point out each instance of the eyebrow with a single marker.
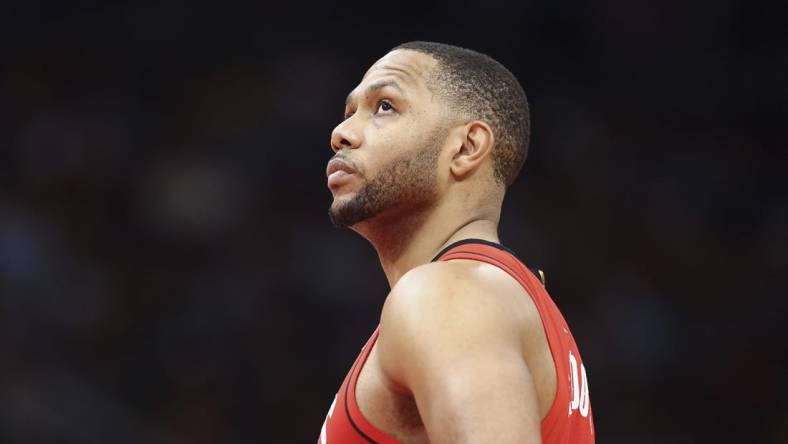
(376, 86)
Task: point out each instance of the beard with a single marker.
(404, 186)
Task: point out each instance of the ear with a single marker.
(476, 144)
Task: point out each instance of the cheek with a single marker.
(388, 141)
(380, 151)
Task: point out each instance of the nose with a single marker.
(345, 137)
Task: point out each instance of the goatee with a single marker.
(408, 182)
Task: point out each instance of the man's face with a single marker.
(388, 147)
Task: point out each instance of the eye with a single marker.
(384, 106)
(349, 114)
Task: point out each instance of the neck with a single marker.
(404, 243)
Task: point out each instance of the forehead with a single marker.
(411, 66)
(406, 69)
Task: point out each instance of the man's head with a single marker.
(425, 119)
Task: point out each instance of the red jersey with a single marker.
(569, 420)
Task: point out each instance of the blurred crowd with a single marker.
(168, 273)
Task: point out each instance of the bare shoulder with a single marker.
(444, 289)
(459, 304)
(451, 337)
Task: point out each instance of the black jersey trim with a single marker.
(473, 241)
(539, 274)
(347, 409)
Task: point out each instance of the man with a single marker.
(470, 348)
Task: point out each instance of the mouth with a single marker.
(337, 165)
(338, 172)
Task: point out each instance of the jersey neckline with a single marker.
(472, 241)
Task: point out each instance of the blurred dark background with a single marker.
(168, 273)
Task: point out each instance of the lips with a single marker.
(338, 173)
(338, 165)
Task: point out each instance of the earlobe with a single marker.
(476, 144)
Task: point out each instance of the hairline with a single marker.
(461, 106)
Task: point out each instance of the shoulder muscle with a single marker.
(449, 336)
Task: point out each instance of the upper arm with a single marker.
(449, 340)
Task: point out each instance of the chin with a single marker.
(341, 199)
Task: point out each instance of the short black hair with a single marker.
(482, 88)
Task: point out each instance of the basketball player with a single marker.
(470, 348)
